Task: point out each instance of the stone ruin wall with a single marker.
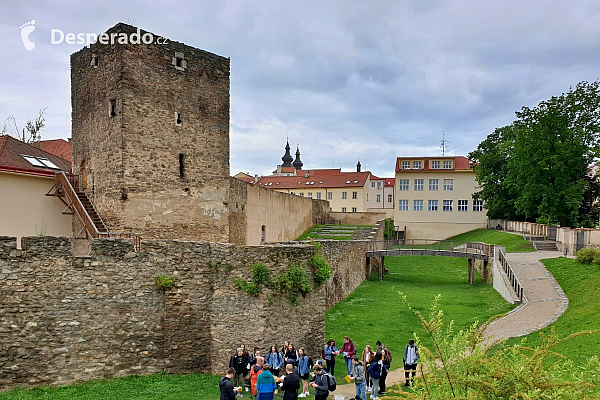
(67, 319)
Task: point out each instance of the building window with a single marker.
(262, 234)
(344, 195)
(447, 205)
(329, 195)
(433, 205)
(372, 184)
(354, 195)
(417, 205)
(181, 165)
(112, 108)
(301, 194)
(447, 164)
(463, 205)
(403, 205)
(405, 164)
(448, 184)
(403, 184)
(378, 185)
(319, 196)
(434, 184)
(178, 61)
(378, 198)
(416, 164)
(477, 205)
(177, 119)
(419, 184)
(435, 165)
(310, 195)
(353, 209)
(343, 209)
(94, 62)
(390, 198)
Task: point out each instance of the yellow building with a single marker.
(345, 191)
(26, 175)
(434, 197)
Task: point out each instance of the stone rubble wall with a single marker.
(67, 318)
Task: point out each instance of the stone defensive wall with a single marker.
(67, 318)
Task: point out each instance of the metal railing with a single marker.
(514, 281)
(436, 245)
(327, 221)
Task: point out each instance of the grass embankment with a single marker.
(514, 243)
(153, 387)
(581, 284)
(315, 231)
(374, 311)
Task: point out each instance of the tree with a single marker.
(31, 132)
(536, 167)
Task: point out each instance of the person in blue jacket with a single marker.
(305, 363)
(329, 353)
(275, 360)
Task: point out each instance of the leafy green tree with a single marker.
(536, 167)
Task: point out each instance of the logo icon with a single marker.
(26, 29)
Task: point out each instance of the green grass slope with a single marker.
(514, 243)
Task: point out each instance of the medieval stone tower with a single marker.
(151, 136)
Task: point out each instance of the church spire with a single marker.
(287, 157)
(297, 163)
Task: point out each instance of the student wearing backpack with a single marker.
(375, 371)
(290, 384)
(360, 379)
(239, 362)
(321, 383)
(226, 387)
(410, 358)
(275, 360)
(255, 371)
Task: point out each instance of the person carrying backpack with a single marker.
(359, 378)
(321, 383)
(375, 371)
(410, 358)
(226, 387)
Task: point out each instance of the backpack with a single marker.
(331, 382)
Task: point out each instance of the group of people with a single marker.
(290, 369)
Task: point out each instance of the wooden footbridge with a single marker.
(472, 251)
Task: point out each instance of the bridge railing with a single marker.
(431, 244)
(514, 281)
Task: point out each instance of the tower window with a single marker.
(94, 62)
(177, 119)
(112, 108)
(181, 165)
(179, 62)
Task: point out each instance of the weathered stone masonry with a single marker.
(67, 318)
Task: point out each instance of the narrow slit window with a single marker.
(181, 165)
(112, 108)
(177, 119)
(94, 62)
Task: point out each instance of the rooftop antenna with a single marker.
(443, 145)
(130, 21)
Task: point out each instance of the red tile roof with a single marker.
(328, 178)
(11, 150)
(288, 169)
(388, 181)
(59, 147)
(461, 163)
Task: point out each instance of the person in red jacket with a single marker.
(255, 371)
(348, 350)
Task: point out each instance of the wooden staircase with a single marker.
(67, 189)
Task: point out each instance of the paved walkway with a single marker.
(544, 302)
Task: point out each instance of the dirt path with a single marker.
(544, 302)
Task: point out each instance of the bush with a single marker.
(320, 267)
(587, 255)
(388, 232)
(249, 287)
(260, 274)
(164, 281)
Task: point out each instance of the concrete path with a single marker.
(544, 302)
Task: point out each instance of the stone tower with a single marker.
(151, 136)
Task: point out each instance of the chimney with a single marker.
(306, 174)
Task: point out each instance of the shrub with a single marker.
(249, 287)
(320, 267)
(388, 232)
(298, 283)
(587, 255)
(164, 281)
(260, 274)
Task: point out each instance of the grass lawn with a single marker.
(375, 312)
(514, 243)
(581, 284)
(153, 387)
(314, 233)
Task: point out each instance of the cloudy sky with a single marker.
(346, 79)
